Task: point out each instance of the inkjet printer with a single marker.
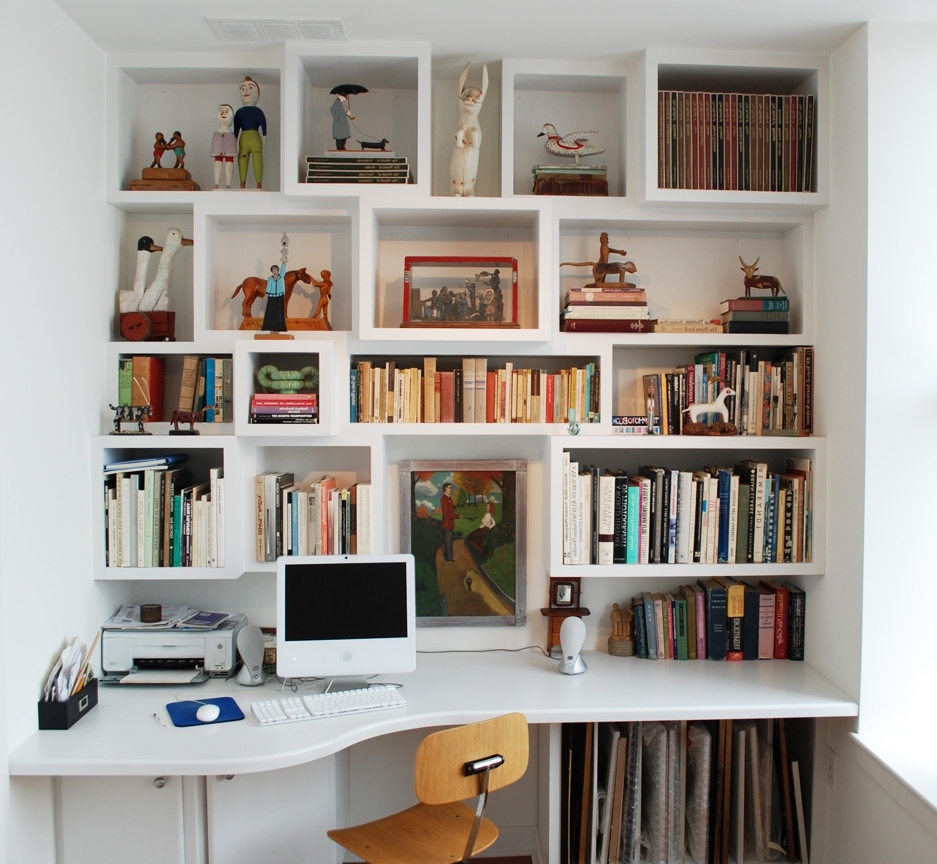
(128, 656)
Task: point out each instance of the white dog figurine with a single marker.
(463, 166)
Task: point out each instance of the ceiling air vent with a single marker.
(278, 30)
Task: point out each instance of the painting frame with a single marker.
(495, 555)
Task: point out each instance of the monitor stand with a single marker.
(352, 682)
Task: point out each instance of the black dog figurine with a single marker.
(374, 145)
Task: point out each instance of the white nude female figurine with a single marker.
(463, 166)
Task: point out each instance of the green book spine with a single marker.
(124, 381)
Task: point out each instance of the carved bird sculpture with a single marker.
(155, 296)
(570, 146)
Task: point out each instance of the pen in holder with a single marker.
(64, 715)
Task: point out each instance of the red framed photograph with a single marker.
(459, 291)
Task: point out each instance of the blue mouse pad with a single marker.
(183, 713)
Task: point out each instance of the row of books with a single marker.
(352, 167)
(472, 393)
(745, 513)
(700, 791)
(162, 516)
(736, 141)
(721, 619)
(284, 408)
(772, 390)
(206, 382)
(312, 517)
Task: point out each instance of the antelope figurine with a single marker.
(766, 283)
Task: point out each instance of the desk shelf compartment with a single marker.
(571, 97)
(164, 93)
(218, 519)
(475, 228)
(238, 245)
(396, 107)
(349, 465)
(687, 267)
(684, 453)
(746, 73)
(257, 362)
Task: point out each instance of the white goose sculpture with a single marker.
(570, 146)
(155, 296)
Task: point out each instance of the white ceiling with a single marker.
(489, 30)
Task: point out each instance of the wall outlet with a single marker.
(830, 767)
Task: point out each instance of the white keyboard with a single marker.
(314, 706)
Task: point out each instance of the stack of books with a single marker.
(756, 315)
(570, 179)
(284, 408)
(606, 308)
(354, 166)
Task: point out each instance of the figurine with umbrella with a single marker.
(341, 112)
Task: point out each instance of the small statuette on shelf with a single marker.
(224, 146)
(467, 140)
(766, 283)
(698, 410)
(183, 417)
(603, 267)
(158, 178)
(138, 414)
(250, 127)
(341, 113)
(621, 642)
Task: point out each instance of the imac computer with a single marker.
(345, 617)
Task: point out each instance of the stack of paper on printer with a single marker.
(182, 616)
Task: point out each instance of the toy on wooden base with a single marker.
(602, 268)
(463, 163)
(158, 178)
(765, 283)
(180, 416)
(621, 642)
(570, 146)
(720, 426)
(131, 414)
(575, 179)
(144, 308)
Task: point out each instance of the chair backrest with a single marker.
(441, 757)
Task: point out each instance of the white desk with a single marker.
(121, 737)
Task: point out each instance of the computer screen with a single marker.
(345, 616)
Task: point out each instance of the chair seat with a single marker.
(422, 834)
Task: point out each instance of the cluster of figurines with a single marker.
(477, 299)
(239, 136)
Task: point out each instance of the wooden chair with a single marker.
(451, 766)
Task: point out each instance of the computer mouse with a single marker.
(207, 713)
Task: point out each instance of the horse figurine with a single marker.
(254, 287)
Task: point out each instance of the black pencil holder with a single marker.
(64, 715)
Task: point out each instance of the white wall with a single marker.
(900, 562)
(59, 249)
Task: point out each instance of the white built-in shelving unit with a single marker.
(685, 243)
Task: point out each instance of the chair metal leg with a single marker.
(479, 812)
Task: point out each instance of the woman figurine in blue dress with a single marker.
(275, 312)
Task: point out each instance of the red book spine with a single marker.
(490, 389)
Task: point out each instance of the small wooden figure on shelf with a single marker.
(763, 283)
(144, 308)
(224, 146)
(325, 294)
(341, 112)
(275, 311)
(180, 416)
(570, 146)
(158, 178)
(250, 127)
(621, 642)
(159, 147)
(177, 145)
(603, 267)
(131, 414)
(463, 164)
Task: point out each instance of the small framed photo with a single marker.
(459, 291)
(564, 592)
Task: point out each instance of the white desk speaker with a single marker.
(251, 649)
(572, 635)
